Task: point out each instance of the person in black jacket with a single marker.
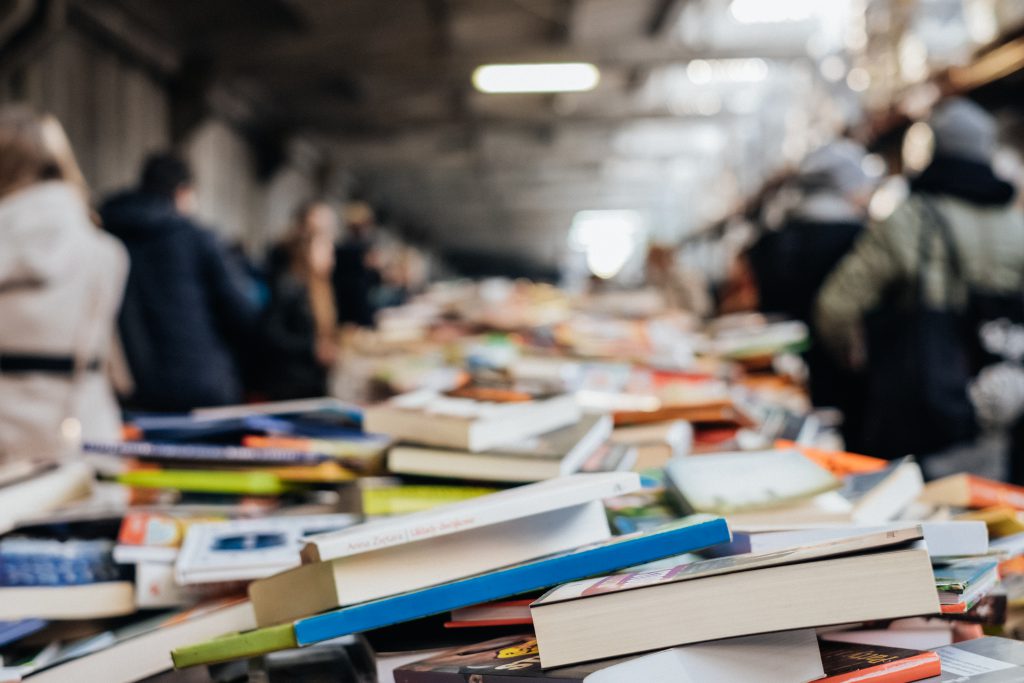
(791, 264)
(300, 328)
(187, 306)
(355, 277)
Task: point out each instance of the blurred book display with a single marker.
(529, 513)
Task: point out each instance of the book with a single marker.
(727, 597)
(725, 483)
(23, 499)
(153, 536)
(1000, 520)
(872, 498)
(771, 658)
(500, 613)
(855, 662)
(246, 483)
(365, 576)
(944, 539)
(383, 496)
(962, 584)
(982, 660)
(303, 406)
(361, 452)
(139, 650)
(244, 549)
(839, 463)
(13, 631)
(612, 555)
(80, 601)
(717, 413)
(656, 443)
(432, 419)
(48, 562)
(205, 453)
(544, 456)
(504, 506)
(971, 491)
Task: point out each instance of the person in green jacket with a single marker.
(884, 265)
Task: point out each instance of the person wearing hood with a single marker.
(790, 264)
(187, 308)
(957, 194)
(61, 280)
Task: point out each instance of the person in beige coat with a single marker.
(61, 282)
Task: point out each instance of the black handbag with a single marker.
(920, 362)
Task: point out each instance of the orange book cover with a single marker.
(849, 662)
(985, 493)
(839, 463)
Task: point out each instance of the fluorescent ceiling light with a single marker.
(528, 78)
(738, 70)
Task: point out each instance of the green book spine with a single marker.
(206, 481)
(235, 646)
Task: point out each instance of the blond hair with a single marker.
(34, 148)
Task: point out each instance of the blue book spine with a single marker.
(206, 453)
(13, 631)
(545, 573)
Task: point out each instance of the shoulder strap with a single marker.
(935, 219)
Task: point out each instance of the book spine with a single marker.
(196, 452)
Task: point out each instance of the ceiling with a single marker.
(384, 87)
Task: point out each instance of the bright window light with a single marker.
(609, 238)
(529, 78)
(772, 11)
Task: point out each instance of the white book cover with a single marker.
(244, 549)
(522, 501)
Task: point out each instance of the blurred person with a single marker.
(790, 264)
(61, 281)
(683, 289)
(301, 325)
(355, 274)
(187, 305)
(905, 302)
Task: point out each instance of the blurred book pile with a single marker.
(517, 485)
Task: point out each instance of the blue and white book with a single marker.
(618, 553)
(613, 555)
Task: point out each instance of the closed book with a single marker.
(963, 584)
(205, 453)
(544, 456)
(971, 491)
(734, 596)
(206, 481)
(612, 555)
(384, 496)
(870, 498)
(944, 539)
(358, 578)
(773, 658)
(726, 483)
(245, 549)
(433, 419)
(83, 601)
(855, 662)
(479, 512)
(143, 649)
(500, 613)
